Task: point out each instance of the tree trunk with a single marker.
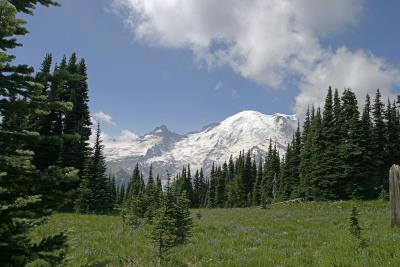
(394, 189)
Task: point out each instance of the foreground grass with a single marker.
(309, 234)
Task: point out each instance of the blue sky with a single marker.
(146, 68)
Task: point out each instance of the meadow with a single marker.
(302, 234)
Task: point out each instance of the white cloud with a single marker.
(103, 117)
(268, 41)
(103, 137)
(127, 136)
(362, 72)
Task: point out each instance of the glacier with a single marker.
(215, 143)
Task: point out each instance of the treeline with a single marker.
(237, 183)
(338, 154)
(342, 154)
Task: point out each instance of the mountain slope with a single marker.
(168, 152)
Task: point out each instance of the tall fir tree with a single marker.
(350, 151)
(320, 186)
(378, 142)
(369, 187)
(98, 178)
(331, 136)
(25, 197)
(305, 157)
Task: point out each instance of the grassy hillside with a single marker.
(310, 234)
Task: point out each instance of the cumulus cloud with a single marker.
(362, 72)
(103, 117)
(268, 41)
(103, 136)
(127, 136)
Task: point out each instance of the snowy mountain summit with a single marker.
(168, 151)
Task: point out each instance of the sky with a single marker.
(189, 63)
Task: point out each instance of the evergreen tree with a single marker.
(203, 189)
(121, 194)
(196, 190)
(305, 157)
(355, 228)
(350, 151)
(256, 195)
(135, 184)
(369, 186)
(98, 179)
(246, 180)
(331, 135)
(392, 143)
(23, 187)
(321, 188)
(211, 202)
(163, 231)
(295, 164)
(220, 185)
(84, 201)
(159, 185)
(378, 143)
(285, 177)
(152, 196)
(183, 221)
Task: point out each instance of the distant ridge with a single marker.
(168, 151)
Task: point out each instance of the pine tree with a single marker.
(159, 185)
(355, 228)
(163, 231)
(203, 189)
(392, 144)
(368, 187)
(305, 157)
(378, 143)
(135, 184)
(321, 188)
(211, 202)
(183, 221)
(121, 194)
(331, 134)
(220, 185)
(295, 164)
(23, 206)
(152, 196)
(286, 178)
(196, 190)
(246, 179)
(350, 151)
(256, 195)
(84, 202)
(150, 181)
(82, 114)
(98, 179)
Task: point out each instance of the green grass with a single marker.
(309, 234)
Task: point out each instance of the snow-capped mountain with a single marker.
(168, 151)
